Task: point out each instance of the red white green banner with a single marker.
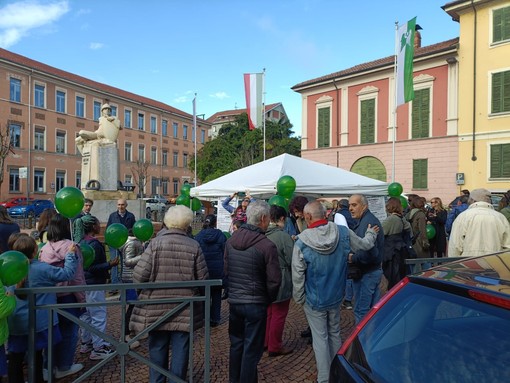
(253, 84)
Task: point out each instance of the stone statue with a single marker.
(107, 132)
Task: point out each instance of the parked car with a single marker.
(495, 198)
(14, 201)
(155, 204)
(450, 324)
(30, 208)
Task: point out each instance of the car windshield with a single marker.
(424, 335)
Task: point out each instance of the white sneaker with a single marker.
(72, 370)
(85, 348)
(45, 374)
(102, 353)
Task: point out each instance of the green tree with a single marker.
(236, 147)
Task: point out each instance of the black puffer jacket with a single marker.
(252, 267)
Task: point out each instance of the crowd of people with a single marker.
(324, 260)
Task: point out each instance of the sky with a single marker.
(170, 50)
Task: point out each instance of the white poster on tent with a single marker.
(224, 219)
(377, 205)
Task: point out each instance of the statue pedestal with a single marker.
(105, 202)
(100, 163)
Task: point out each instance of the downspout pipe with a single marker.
(337, 122)
(473, 155)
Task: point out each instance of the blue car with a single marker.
(449, 324)
(30, 208)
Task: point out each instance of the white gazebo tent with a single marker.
(313, 179)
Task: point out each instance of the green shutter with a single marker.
(323, 128)
(421, 113)
(500, 161)
(420, 174)
(500, 93)
(367, 121)
(501, 25)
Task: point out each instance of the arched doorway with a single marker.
(370, 167)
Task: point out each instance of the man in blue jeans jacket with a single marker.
(366, 289)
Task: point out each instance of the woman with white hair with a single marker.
(170, 257)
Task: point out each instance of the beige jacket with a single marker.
(479, 230)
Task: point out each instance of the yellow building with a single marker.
(484, 92)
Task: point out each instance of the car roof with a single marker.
(488, 272)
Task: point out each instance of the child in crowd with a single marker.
(96, 274)
(40, 275)
(7, 306)
(54, 253)
(131, 252)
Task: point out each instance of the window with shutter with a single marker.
(500, 161)
(323, 128)
(420, 173)
(367, 121)
(501, 25)
(500, 93)
(421, 113)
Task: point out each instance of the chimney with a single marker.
(417, 36)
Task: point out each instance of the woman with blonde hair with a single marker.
(437, 217)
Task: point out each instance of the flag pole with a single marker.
(394, 130)
(264, 108)
(195, 135)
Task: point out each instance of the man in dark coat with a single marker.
(254, 276)
(121, 215)
(366, 288)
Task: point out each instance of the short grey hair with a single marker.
(315, 209)
(362, 199)
(178, 217)
(255, 211)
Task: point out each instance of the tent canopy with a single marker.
(313, 179)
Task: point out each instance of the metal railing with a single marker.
(121, 346)
(418, 264)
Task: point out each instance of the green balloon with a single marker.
(116, 235)
(88, 253)
(286, 186)
(227, 234)
(196, 205)
(183, 200)
(13, 267)
(395, 189)
(403, 201)
(279, 200)
(185, 189)
(431, 231)
(143, 229)
(69, 201)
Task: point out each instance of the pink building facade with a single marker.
(348, 119)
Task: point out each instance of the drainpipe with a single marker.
(473, 156)
(29, 130)
(337, 114)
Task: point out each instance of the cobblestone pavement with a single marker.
(296, 367)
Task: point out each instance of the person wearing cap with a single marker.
(480, 229)
(107, 132)
(212, 241)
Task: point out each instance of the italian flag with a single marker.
(405, 56)
(253, 83)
